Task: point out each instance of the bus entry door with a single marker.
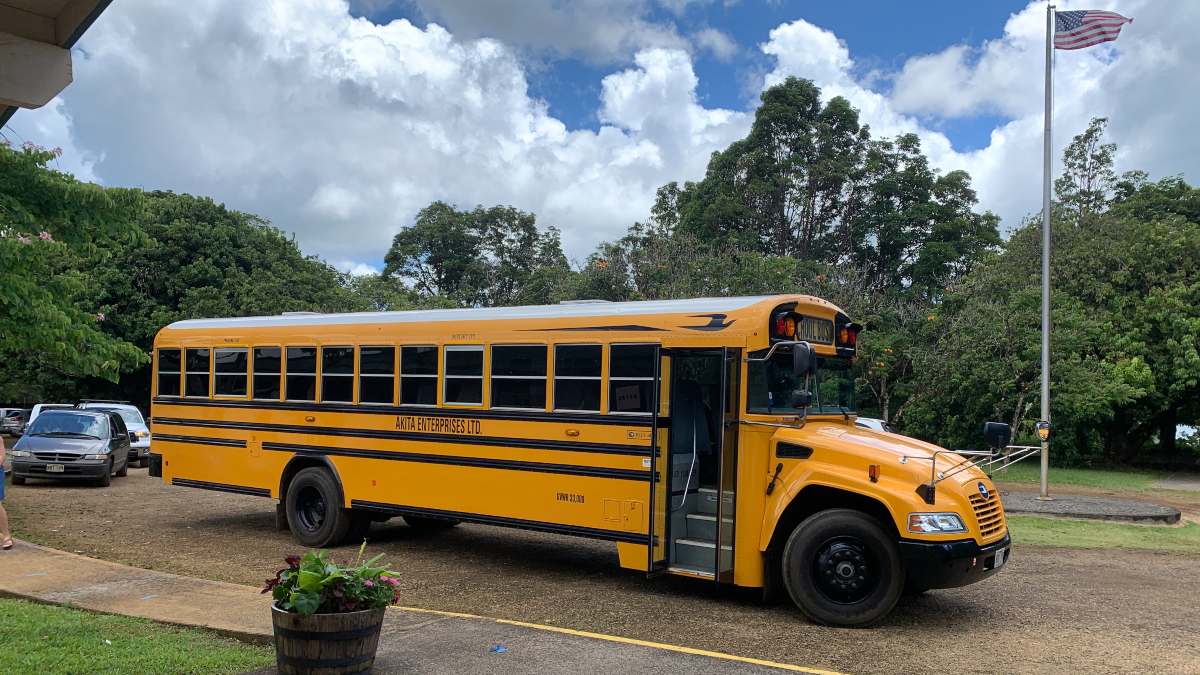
(693, 463)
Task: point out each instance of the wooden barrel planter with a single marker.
(326, 644)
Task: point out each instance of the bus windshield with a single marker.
(833, 390)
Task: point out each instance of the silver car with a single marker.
(79, 444)
(139, 431)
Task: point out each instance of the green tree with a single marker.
(50, 224)
(480, 258)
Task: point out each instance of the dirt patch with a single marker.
(1054, 610)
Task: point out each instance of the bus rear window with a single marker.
(169, 372)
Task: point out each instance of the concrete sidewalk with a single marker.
(1090, 508)
(413, 640)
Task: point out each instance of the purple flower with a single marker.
(23, 240)
(45, 236)
(100, 316)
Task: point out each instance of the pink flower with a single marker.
(99, 316)
(23, 240)
(368, 582)
(45, 236)
(58, 151)
(393, 582)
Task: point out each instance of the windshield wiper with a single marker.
(70, 434)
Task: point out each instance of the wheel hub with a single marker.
(844, 570)
(310, 506)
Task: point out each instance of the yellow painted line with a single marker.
(631, 641)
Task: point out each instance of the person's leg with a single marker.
(6, 542)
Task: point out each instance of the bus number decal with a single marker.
(568, 497)
(439, 425)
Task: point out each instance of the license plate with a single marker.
(55, 468)
(1001, 558)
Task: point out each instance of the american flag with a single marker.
(1076, 30)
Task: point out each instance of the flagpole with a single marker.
(1046, 164)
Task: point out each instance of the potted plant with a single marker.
(327, 616)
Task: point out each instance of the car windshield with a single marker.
(130, 416)
(833, 391)
(74, 425)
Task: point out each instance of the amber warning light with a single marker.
(848, 335)
(784, 325)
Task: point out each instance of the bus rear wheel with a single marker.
(842, 568)
(314, 513)
(422, 524)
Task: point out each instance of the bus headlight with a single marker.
(935, 523)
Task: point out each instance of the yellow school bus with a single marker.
(712, 438)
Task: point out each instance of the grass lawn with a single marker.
(56, 640)
(1030, 472)
(1096, 534)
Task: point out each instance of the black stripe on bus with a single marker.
(222, 487)
(572, 530)
(464, 439)
(200, 440)
(468, 413)
(457, 460)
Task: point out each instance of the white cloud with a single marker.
(1143, 83)
(341, 130)
(721, 45)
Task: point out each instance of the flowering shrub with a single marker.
(315, 585)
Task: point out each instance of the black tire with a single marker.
(314, 510)
(422, 524)
(842, 568)
(143, 463)
(106, 479)
(124, 470)
(360, 522)
(18, 480)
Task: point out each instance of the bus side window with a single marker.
(268, 370)
(337, 374)
(230, 366)
(195, 377)
(631, 378)
(519, 377)
(418, 375)
(463, 384)
(577, 376)
(377, 375)
(169, 372)
(301, 374)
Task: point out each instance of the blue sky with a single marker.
(339, 122)
(880, 35)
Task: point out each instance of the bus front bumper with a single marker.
(953, 563)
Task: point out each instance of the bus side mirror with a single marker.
(801, 399)
(997, 435)
(804, 360)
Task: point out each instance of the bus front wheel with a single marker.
(842, 568)
(314, 513)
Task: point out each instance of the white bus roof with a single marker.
(565, 310)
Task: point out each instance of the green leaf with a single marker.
(311, 581)
(306, 603)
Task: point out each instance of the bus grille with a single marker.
(989, 514)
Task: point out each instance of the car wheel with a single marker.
(18, 480)
(422, 524)
(314, 512)
(143, 462)
(124, 470)
(842, 568)
(106, 479)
